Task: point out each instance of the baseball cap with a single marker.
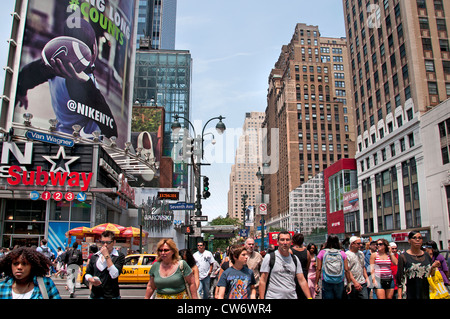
(352, 239)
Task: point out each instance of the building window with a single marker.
(443, 43)
(432, 88)
(429, 65)
(444, 133)
(426, 44)
(445, 157)
(411, 139)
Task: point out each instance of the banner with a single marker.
(351, 201)
(75, 66)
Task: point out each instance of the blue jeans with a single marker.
(332, 291)
(204, 287)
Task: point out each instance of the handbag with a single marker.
(188, 290)
(437, 287)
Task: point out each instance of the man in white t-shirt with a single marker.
(204, 260)
(358, 273)
(280, 283)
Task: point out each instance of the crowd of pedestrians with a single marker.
(293, 271)
(289, 271)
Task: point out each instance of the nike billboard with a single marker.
(76, 67)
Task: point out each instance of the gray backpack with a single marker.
(333, 266)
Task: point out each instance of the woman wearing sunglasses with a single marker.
(413, 268)
(380, 268)
(170, 277)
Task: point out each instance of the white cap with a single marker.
(392, 244)
(352, 239)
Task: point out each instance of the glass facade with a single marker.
(157, 20)
(25, 220)
(341, 183)
(165, 77)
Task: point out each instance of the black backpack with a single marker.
(75, 257)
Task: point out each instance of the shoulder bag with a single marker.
(188, 290)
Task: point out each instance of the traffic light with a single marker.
(188, 147)
(206, 192)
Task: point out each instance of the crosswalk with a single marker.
(82, 292)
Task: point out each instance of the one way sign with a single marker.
(199, 218)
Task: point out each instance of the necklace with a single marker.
(22, 290)
(416, 254)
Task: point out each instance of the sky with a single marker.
(234, 45)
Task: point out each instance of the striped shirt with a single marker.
(383, 267)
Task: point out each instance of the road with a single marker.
(134, 291)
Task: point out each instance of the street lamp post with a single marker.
(220, 127)
(244, 204)
(261, 177)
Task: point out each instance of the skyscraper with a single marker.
(243, 178)
(308, 103)
(400, 68)
(157, 21)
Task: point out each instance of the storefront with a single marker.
(45, 190)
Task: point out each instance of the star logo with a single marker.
(60, 162)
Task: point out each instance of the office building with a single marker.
(308, 207)
(309, 104)
(243, 179)
(157, 21)
(400, 69)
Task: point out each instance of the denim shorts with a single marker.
(384, 283)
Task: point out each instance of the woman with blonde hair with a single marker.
(170, 277)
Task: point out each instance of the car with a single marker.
(135, 270)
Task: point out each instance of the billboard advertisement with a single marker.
(351, 201)
(75, 66)
(273, 238)
(147, 137)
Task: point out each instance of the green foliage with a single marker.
(222, 243)
(146, 119)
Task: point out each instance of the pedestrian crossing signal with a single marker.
(188, 229)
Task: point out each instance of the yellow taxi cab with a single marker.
(135, 269)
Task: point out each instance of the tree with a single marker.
(222, 243)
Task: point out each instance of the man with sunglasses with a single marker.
(204, 260)
(358, 273)
(104, 269)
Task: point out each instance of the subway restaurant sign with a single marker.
(22, 167)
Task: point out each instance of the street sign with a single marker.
(197, 232)
(182, 206)
(81, 197)
(199, 218)
(48, 138)
(243, 232)
(34, 195)
(263, 209)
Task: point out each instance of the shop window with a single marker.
(25, 210)
(59, 210)
(81, 211)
